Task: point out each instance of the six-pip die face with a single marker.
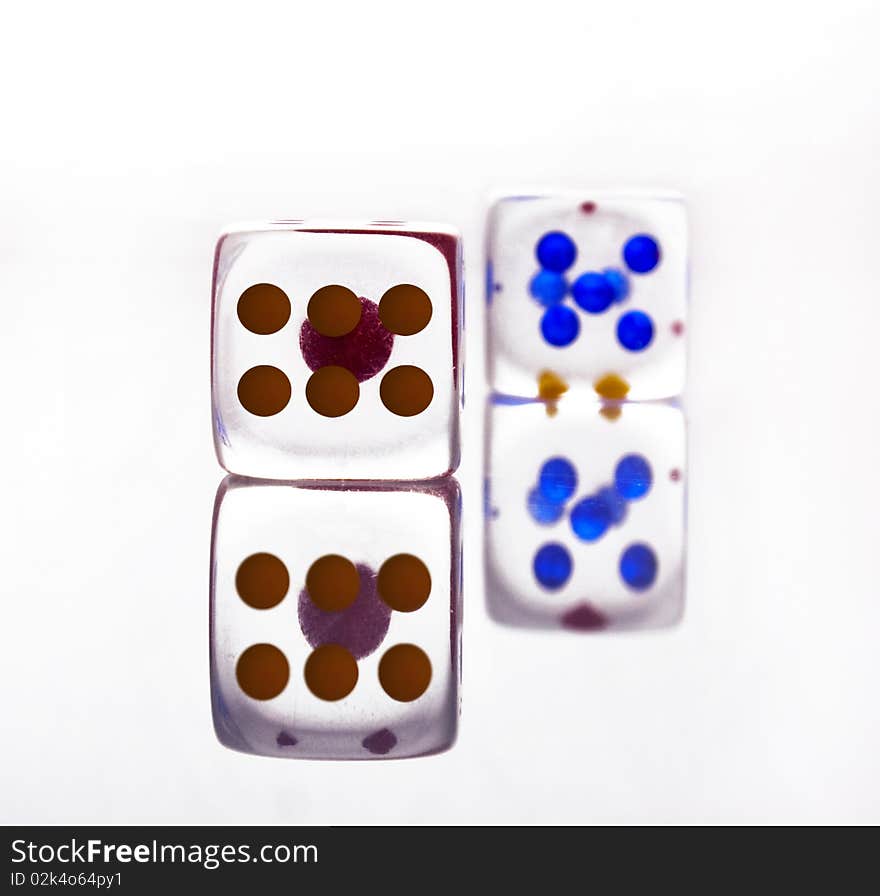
(335, 619)
(335, 351)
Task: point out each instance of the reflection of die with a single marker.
(335, 351)
(335, 619)
(593, 292)
(585, 518)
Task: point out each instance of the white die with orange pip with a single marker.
(335, 350)
(335, 619)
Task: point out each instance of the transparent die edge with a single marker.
(446, 489)
(453, 255)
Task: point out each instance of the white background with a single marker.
(133, 134)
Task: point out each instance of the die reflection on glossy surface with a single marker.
(587, 289)
(335, 350)
(335, 618)
(584, 525)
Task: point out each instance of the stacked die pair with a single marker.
(586, 305)
(335, 562)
